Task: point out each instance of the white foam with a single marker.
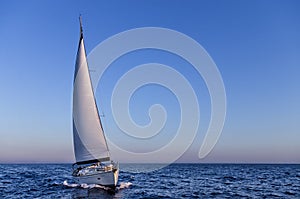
(124, 185)
(85, 186)
(70, 185)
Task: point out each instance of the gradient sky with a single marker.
(255, 45)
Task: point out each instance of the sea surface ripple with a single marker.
(174, 181)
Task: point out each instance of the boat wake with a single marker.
(122, 185)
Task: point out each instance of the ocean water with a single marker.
(174, 181)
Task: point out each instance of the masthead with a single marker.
(80, 20)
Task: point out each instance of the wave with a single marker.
(122, 185)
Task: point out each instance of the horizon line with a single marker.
(262, 163)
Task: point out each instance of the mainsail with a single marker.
(88, 137)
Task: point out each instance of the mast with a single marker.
(80, 21)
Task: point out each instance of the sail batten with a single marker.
(88, 136)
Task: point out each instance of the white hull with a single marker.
(109, 178)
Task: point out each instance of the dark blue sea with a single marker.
(174, 181)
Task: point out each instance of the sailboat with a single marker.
(93, 164)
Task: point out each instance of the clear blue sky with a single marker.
(255, 45)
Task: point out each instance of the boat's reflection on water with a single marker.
(97, 192)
